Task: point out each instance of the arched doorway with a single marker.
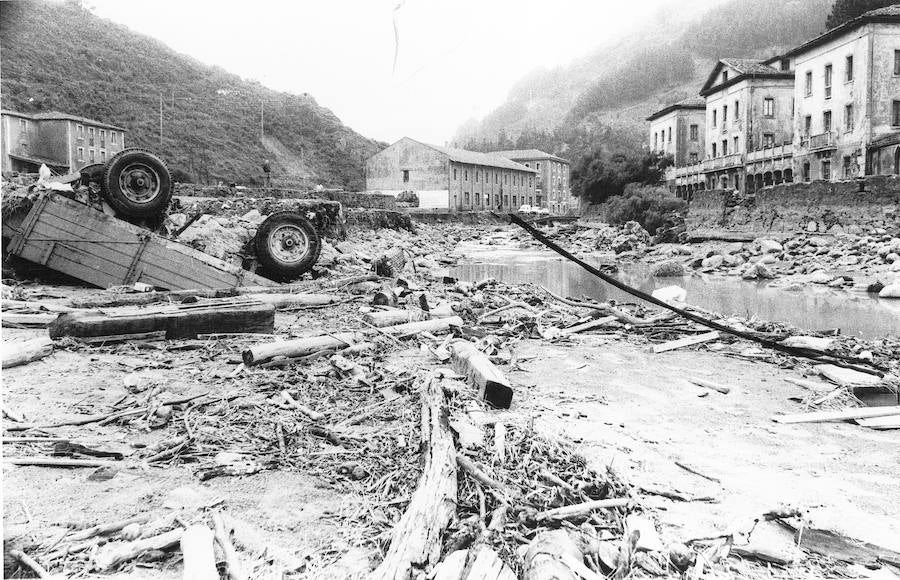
(767, 178)
(778, 177)
(788, 175)
(751, 183)
(897, 161)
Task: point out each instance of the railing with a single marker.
(821, 141)
(686, 170)
(775, 152)
(723, 162)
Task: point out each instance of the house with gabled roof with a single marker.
(447, 178)
(552, 185)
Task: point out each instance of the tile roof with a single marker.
(892, 10)
(477, 158)
(890, 14)
(688, 103)
(750, 66)
(528, 154)
(57, 115)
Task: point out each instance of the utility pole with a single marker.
(160, 121)
(261, 121)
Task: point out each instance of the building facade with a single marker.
(847, 92)
(451, 179)
(680, 130)
(552, 185)
(61, 141)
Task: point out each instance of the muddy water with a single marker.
(813, 308)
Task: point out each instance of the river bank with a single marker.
(701, 466)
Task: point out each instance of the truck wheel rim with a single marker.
(288, 243)
(140, 183)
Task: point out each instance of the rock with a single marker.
(892, 257)
(675, 295)
(875, 287)
(767, 259)
(768, 246)
(820, 277)
(682, 250)
(813, 342)
(713, 262)
(733, 248)
(817, 241)
(812, 226)
(750, 272)
(836, 283)
(845, 377)
(763, 271)
(733, 260)
(890, 291)
(681, 556)
(649, 538)
(669, 268)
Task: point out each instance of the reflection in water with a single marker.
(813, 308)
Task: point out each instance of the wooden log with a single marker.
(104, 529)
(881, 423)
(554, 555)
(314, 415)
(288, 301)
(117, 338)
(765, 553)
(591, 324)
(115, 299)
(33, 305)
(223, 537)
(199, 555)
(686, 341)
(842, 415)
(416, 539)
(31, 563)
(15, 319)
(112, 554)
(24, 352)
(391, 263)
(58, 462)
(580, 510)
(481, 477)
(711, 385)
(493, 385)
(263, 352)
(392, 317)
(181, 321)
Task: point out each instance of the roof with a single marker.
(59, 116)
(39, 160)
(746, 68)
(515, 154)
(688, 103)
(889, 14)
(476, 158)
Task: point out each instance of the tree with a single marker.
(846, 10)
(599, 175)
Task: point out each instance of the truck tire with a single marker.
(93, 173)
(287, 245)
(137, 184)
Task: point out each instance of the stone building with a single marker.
(847, 95)
(451, 179)
(61, 141)
(680, 130)
(552, 185)
(749, 113)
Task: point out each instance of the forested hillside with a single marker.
(59, 56)
(570, 113)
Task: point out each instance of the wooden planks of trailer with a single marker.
(99, 249)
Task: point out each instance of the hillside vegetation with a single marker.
(59, 56)
(602, 99)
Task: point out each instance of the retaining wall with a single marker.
(819, 206)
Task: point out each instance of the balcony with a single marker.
(724, 162)
(686, 170)
(771, 153)
(821, 141)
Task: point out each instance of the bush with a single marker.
(650, 207)
(180, 175)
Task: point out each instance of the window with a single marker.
(736, 148)
(785, 64)
(538, 165)
(848, 118)
(807, 125)
(808, 83)
(23, 125)
(112, 137)
(895, 116)
(806, 171)
(80, 153)
(724, 115)
(695, 133)
(737, 110)
(656, 141)
(496, 177)
(827, 81)
(103, 156)
(693, 158)
(714, 118)
(724, 147)
(768, 140)
(670, 134)
(506, 178)
(714, 150)
(826, 121)
(90, 135)
(477, 175)
(79, 133)
(897, 63)
(848, 69)
(466, 198)
(847, 167)
(454, 169)
(406, 176)
(466, 176)
(768, 107)
(102, 138)
(826, 169)
(724, 76)
(91, 155)
(530, 181)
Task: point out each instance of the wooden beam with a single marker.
(24, 352)
(686, 341)
(493, 385)
(842, 415)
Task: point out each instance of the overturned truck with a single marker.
(97, 225)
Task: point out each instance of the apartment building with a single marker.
(680, 130)
(847, 95)
(451, 179)
(61, 141)
(552, 185)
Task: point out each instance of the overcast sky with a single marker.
(455, 59)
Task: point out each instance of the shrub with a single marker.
(648, 206)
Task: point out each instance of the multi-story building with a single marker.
(847, 96)
(61, 141)
(749, 108)
(680, 130)
(552, 185)
(449, 178)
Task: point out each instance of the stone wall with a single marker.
(815, 206)
(345, 198)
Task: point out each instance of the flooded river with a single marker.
(813, 308)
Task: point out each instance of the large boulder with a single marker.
(669, 268)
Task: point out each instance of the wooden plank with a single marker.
(52, 227)
(842, 415)
(589, 325)
(881, 423)
(686, 341)
(72, 265)
(711, 385)
(32, 320)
